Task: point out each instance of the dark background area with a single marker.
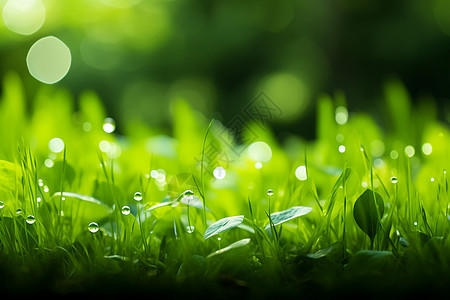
(219, 55)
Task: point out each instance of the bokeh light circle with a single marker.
(24, 16)
(49, 60)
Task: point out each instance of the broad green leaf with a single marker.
(365, 212)
(223, 225)
(235, 245)
(193, 201)
(288, 214)
(81, 207)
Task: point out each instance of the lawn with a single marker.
(206, 209)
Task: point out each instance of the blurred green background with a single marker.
(141, 55)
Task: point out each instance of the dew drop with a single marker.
(300, 173)
(190, 229)
(138, 196)
(394, 179)
(2, 204)
(188, 193)
(93, 227)
(40, 182)
(126, 210)
(18, 211)
(31, 219)
(341, 148)
(269, 192)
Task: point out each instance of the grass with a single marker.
(322, 234)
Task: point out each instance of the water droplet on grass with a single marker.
(341, 148)
(188, 193)
(2, 204)
(394, 179)
(31, 219)
(138, 196)
(190, 229)
(300, 173)
(269, 192)
(126, 210)
(18, 211)
(93, 227)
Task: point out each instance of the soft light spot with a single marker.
(260, 151)
(393, 154)
(378, 163)
(48, 163)
(341, 115)
(339, 138)
(377, 147)
(432, 179)
(364, 184)
(409, 150)
(86, 126)
(109, 125)
(258, 165)
(427, 148)
(56, 145)
(49, 60)
(341, 148)
(114, 151)
(154, 174)
(219, 173)
(300, 173)
(24, 16)
(104, 146)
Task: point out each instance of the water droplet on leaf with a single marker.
(93, 227)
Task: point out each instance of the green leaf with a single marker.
(365, 212)
(288, 214)
(223, 225)
(235, 245)
(81, 207)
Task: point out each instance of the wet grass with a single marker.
(360, 209)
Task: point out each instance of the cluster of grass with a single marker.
(86, 209)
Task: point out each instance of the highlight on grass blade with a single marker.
(288, 214)
(223, 225)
